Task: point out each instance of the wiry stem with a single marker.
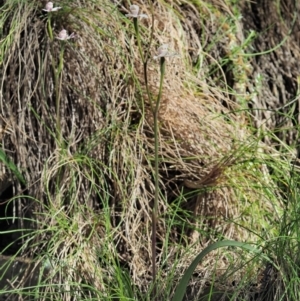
(156, 172)
(58, 84)
(156, 138)
(146, 61)
(136, 28)
(57, 81)
(50, 29)
(146, 57)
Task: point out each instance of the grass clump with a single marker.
(105, 137)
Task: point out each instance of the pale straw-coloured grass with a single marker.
(95, 188)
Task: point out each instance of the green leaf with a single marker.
(181, 288)
(10, 165)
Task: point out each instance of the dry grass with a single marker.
(93, 191)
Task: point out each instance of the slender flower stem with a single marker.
(156, 171)
(58, 84)
(136, 28)
(57, 80)
(154, 111)
(49, 28)
(146, 57)
(146, 62)
(162, 74)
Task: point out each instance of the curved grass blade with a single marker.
(181, 288)
(11, 166)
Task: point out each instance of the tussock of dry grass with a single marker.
(104, 163)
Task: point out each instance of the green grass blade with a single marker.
(10, 165)
(181, 288)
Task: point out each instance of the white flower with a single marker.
(63, 35)
(49, 7)
(163, 51)
(134, 12)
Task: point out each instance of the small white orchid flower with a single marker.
(63, 35)
(134, 12)
(163, 51)
(49, 7)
